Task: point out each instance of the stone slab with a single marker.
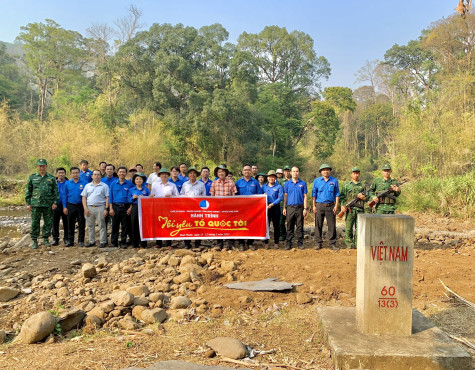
(179, 365)
(427, 348)
(266, 285)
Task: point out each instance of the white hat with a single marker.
(279, 170)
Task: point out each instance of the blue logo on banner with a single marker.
(204, 204)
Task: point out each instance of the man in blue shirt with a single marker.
(119, 208)
(295, 207)
(73, 208)
(86, 173)
(182, 176)
(205, 179)
(275, 194)
(325, 202)
(247, 185)
(175, 178)
(58, 213)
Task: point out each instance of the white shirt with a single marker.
(159, 189)
(197, 189)
(152, 178)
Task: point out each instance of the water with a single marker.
(15, 212)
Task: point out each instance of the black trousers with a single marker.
(295, 221)
(76, 214)
(135, 228)
(273, 215)
(325, 211)
(58, 215)
(119, 220)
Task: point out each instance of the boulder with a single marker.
(228, 347)
(139, 290)
(152, 316)
(141, 301)
(93, 321)
(37, 327)
(88, 270)
(7, 293)
(137, 312)
(122, 298)
(180, 302)
(98, 311)
(71, 319)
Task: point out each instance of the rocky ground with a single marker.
(90, 308)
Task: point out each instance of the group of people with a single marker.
(110, 194)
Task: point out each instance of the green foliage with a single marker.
(325, 126)
(449, 196)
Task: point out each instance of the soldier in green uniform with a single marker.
(350, 191)
(385, 205)
(282, 226)
(41, 197)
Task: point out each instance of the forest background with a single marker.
(125, 94)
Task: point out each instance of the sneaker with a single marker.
(102, 245)
(81, 244)
(55, 242)
(69, 244)
(91, 245)
(46, 243)
(34, 244)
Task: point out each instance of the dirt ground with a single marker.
(265, 321)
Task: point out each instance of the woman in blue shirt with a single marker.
(139, 190)
(275, 194)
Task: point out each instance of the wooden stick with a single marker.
(463, 340)
(467, 302)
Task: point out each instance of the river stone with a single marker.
(7, 293)
(139, 290)
(122, 298)
(180, 302)
(141, 301)
(88, 270)
(71, 319)
(155, 297)
(152, 316)
(228, 347)
(37, 327)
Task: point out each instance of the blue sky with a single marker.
(346, 32)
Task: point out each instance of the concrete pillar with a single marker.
(384, 274)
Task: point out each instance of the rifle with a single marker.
(385, 194)
(351, 203)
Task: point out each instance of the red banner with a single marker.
(182, 218)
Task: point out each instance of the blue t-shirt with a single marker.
(108, 181)
(207, 186)
(250, 187)
(119, 193)
(178, 183)
(134, 191)
(61, 186)
(183, 178)
(295, 192)
(275, 193)
(72, 192)
(85, 176)
(325, 191)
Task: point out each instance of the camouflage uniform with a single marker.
(41, 193)
(385, 205)
(348, 193)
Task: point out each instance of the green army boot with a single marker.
(46, 243)
(34, 244)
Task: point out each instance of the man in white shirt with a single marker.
(163, 188)
(157, 166)
(192, 187)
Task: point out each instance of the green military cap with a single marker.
(355, 169)
(323, 166)
(287, 168)
(139, 174)
(271, 173)
(41, 162)
(164, 170)
(221, 167)
(192, 169)
(387, 166)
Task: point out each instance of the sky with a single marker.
(346, 32)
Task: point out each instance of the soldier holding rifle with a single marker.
(384, 192)
(353, 193)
